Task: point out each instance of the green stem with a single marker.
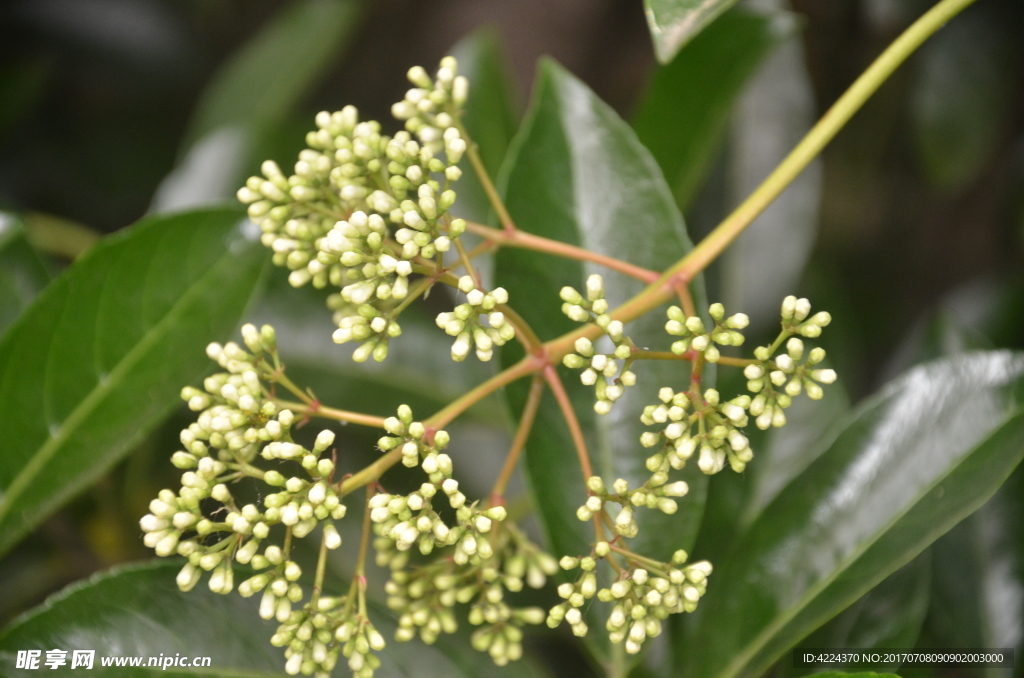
(687, 268)
(321, 568)
(519, 442)
(819, 136)
(524, 240)
(485, 181)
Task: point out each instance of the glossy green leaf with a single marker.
(775, 111)
(964, 95)
(490, 115)
(923, 454)
(252, 94)
(684, 113)
(102, 354)
(577, 173)
(889, 615)
(23, 274)
(412, 374)
(978, 575)
(673, 23)
(138, 611)
(810, 428)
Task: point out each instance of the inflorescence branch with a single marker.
(364, 212)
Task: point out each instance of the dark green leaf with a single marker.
(978, 576)
(791, 449)
(23, 274)
(685, 110)
(931, 448)
(490, 115)
(577, 173)
(963, 96)
(889, 615)
(673, 23)
(101, 355)
(252, 94)
(139, 611)
(774, 113)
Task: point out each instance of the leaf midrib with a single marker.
(103, 388)
(761, 640)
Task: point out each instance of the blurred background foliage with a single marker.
(909, 229)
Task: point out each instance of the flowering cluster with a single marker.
(424, 597)
(465, 322)
(361, 208)
(656, 493)
(364, 212)
(705, 423)
(314, 636)
(601, 369)
(777, 379)
(697, 338)
(486, 558)
(643, 596)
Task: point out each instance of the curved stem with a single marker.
(519, 442)
(485, 181)
(815, 140)
(640, 354)
(443, 417)
(524, 333)
(524, 240)
(687, 268)
(564, 404)
(317, 410)
(321, 568)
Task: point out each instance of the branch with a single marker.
(524, 240)
(318, 410)
(564, 404)
(519, 442)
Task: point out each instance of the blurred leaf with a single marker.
(686, 108)
(139, 611)
(673, 23)
(490, 115)
(23, 274)
(412, 373)
(978, 580)
(889, 615)
(251, 94)
(963, 96)
(789, 450)
(914, 461)
(58, 236)
(865, 674)
(103, 352)
(774, 113)
(577, 173)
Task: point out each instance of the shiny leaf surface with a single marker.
(931, 448)
(101, 355)
(889, 615)
(684, 113)
(673, 23)
(23, 274)
(138, 611)
(577, 173)
(490, 115)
